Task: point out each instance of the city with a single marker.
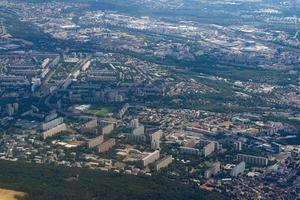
(210, 100)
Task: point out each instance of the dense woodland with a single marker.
(53, 183)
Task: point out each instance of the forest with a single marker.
(55, 182)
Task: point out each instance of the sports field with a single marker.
(99, 111)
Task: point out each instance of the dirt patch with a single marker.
(10, 194)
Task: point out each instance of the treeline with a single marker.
(53, 183)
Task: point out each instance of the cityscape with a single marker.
(204, 95)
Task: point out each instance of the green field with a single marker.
(199, 53)
(99, 111)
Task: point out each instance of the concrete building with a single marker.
(276, 147)
(134, 123)
(49, 125)
(123, 111)
(253, 160)
(51, 116)
(139, 130)
(10, 109)
(239, 169)
(189, 143)
(208, 149)
(162, 163)
(35, 83)
(55, 130)
(238, 145)
(95, 141)
(136, 138)
(188, 150)
(107, 129)
(155, 139)
(213, 170)
(150, 158)
(218, 146)
(91, 124)
(155, 144)
(107, 145)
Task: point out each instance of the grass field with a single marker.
(99, 111)
(199, 53)
(10, 194)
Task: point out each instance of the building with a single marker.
(95, 141)
(189, 150)
(189, 143)
(276, 147)
(136, 138)
(213, 170)
(123, 110)
(162, 163)
(91, 124)
(150, 158)
(208, 149)
(36, 82)
(134, 123)
(155, 139)
(51, 116)
(107, 145)
(155, 144)
(238, 145)
(10, 109)
(49, 125)
(55, 130)
(238, 169)
(107, 129)
(253, 160)
(139, 130)
(218, 146)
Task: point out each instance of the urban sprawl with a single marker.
(110, 91)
